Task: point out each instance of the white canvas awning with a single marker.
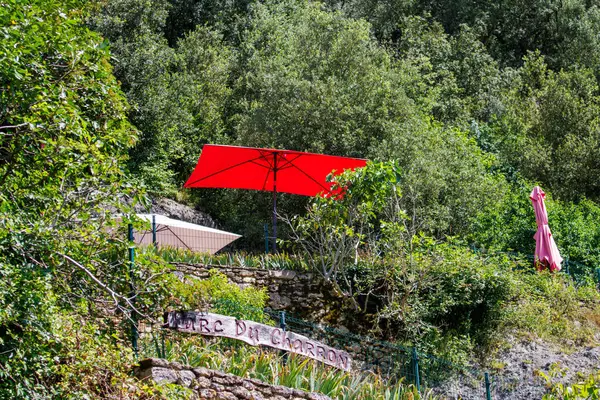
(181, 234)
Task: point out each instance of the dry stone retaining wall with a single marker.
(209, 384)
(303, 294)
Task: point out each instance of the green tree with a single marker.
(177, 93)
(315, 80)
(513, 28)
(462, 79)
(548, 129)
(64, 138)
(362, 218)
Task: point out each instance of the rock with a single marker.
(282, 391)
(226, 396)
(159, 375)
(153, 362)
(176, 365)
(207, 394)
(203, 383)
(172, 209)
(242, 393)
(283, 274)
(202, 372)
(186, 377)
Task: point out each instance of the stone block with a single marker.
(283, 274)
(226, 396)
(207, 394)
(257, 382)
(242, 393)
(228, 380)
(176, 365)
(186, 377)
(256, 396)
(203, 382)
(202, 372)
(298, 393)
(282, 391)
(159, 375)
(153, 362)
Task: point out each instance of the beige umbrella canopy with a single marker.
(180, 234)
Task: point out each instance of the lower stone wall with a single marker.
(303, 294)
(209, 384)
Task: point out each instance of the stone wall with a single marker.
(209, 384)
(303, 294)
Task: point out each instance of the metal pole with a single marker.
(488, 393)
(282, 323)
(274, 202)
(266, 238)
(415, 359)
(154, 230)
(134, 330)
(283, 327)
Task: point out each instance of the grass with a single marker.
(555, 309)
(279, 261)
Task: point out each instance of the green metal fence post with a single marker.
(415, 362)
(134, 329)
(154, 230)
(283, 327)
(488, 393)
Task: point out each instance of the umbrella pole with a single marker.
(274, 221)
(274, 202)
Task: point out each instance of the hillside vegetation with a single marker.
(462, 107)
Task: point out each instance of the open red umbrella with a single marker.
(546, 251)
(273, 170)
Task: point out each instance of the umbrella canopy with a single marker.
(284, 171)
(273, 170)
(181, 234)
(546, 252)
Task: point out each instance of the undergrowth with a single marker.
(292, 371)
(278, 261)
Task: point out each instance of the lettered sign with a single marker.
(256, 334)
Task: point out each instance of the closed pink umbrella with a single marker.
(546, 252)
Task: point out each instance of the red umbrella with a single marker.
(546, 251)
(273, 170)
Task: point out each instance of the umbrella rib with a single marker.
(223, 170)
(266, 178)
(261, 165)
(289, 163)
(310, 177)
(178, 238)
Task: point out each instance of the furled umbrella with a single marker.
(272, 170)
(546, 252)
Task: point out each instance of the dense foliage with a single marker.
(64, 137)
(467, 109)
